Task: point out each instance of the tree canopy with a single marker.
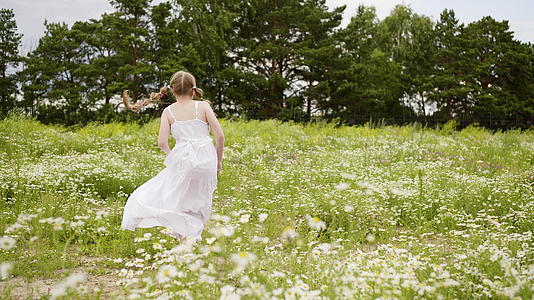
(290, 60)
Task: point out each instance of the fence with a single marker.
(515, 121)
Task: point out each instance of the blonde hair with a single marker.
(184, 83)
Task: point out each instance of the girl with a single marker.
(180, 196)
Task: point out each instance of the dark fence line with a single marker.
(514, 121)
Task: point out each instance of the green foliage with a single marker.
(412, 211)
(288, 60)
(9, 56)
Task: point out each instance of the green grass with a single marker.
(408, 211)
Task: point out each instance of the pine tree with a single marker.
(451, 82)
(51, 77)
(9, 57)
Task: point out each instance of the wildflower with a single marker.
(348, 208)
(341, 186)
(369, 188)
(13, 228)
(316, 223)
(228, 292)
(243, 258)
(315, 253)
(278, 291)
(166, 273)
(5, 269)
(289, 233)
(348, 176)
(101, 214)
(196, 265)
(70, 282)
(76, 223)
(244, 218)
(400, 192)
(7, 242)
(262, 217)
(264, 240)
(370, 238)
(218, 231)
(228, 230)
(275, 274)
(206, 278)
(325, 247)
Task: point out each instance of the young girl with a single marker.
(180, 196)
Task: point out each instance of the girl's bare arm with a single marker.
(217, 131)
(164, 129)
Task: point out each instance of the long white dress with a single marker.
(180, 196)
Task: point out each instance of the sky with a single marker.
(30, 14)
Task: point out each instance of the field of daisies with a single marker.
(300, 212)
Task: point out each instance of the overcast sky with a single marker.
(30, 14)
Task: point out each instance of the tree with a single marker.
(420, 59)
(9, 56)
(52, 81)
(501, 73)
(207, 40)
(451, 82)
(271, 53)
(369, 80)
(317, 54)
(131, 22)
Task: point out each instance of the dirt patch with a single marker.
(20, 288)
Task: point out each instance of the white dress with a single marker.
(180, 196)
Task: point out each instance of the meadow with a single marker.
(300, 212)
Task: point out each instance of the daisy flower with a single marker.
(166, 273)
(7, 242)
(316, 223)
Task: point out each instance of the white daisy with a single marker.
(244, 218)
(70, 282)
(7, 242)
(342, 186)
(262, 217)
(289, 233)
(316, 223)
(5, 269)
(166, 273)
(243, 258)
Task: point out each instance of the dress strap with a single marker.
(196, 109)
(169, 109)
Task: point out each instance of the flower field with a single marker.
(300, 212)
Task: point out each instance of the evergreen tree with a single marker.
(9, 57)
(273, 40)
(52, 81)
(317, 55)
(451, 82)
(501, 72)
(131, 23)
(419, 62)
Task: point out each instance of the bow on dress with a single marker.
(188, 145)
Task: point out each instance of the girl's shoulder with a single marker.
(205, 102)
